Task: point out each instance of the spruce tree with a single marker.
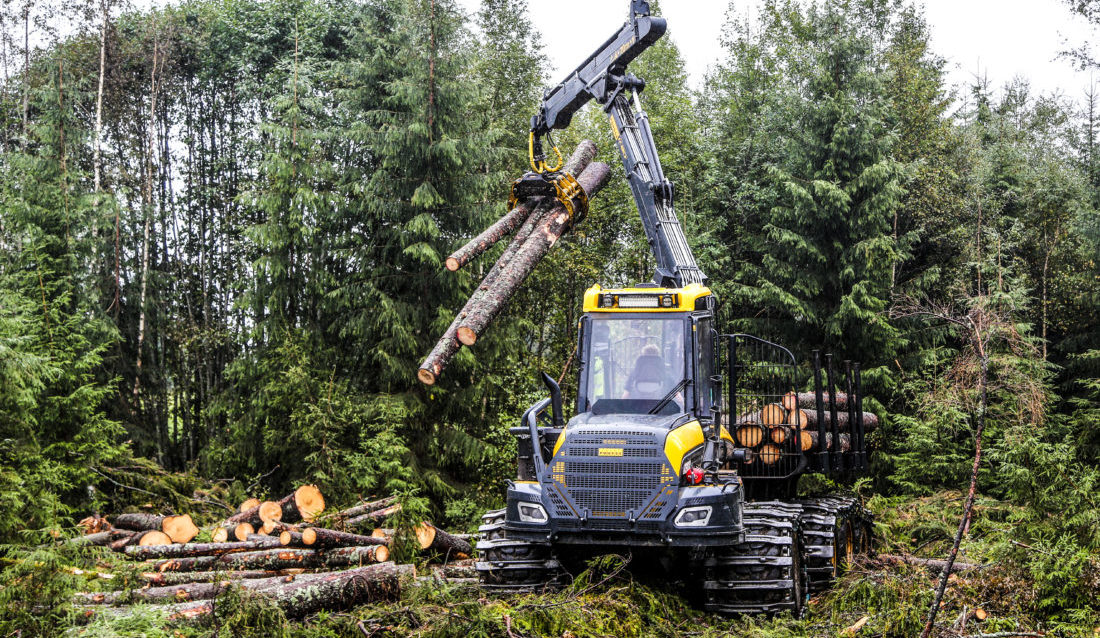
(824, 246)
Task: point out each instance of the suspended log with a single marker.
(318, 538)
(249, 504)
(512, 276)
(201, 549)
(448, 345)
(773, 414)
(751, 434)
(434, 539)
(180, 578)
(581, 158)
(181, 529)
(781, 434)
(770, 454)
(281, 558)
(370, 518)
(335, 590)
(808, 400)
(139, 522)
(367, 506)
(502, 228)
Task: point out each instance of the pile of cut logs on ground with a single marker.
(792, 425)
(537, 224)
(287, 550)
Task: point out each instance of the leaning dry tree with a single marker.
(986, 329)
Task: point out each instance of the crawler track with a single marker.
(509, 565)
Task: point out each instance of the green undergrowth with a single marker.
(1024, 582)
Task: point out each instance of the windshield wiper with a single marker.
(668, 397)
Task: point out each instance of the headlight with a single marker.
(693, 517)
(533, 513)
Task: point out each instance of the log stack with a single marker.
(792, 424)
(309, 563)
(537, 224)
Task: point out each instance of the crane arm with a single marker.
(603, 78)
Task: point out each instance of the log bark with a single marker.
(808, 439)
(370, 518)
(250, 516)
(288, 538)
(139, 522)
(181, 529)
(581, 158)
(367, 506)
(502, 228)
(448, 345)
(319, 538)
(281, 558)
(808, 400)
(201, 549)
(103, 538)
(808, 419)
(433, 539)
(157, 579)
(511, 277)
(932, 563)
(751, 434)
(336, 590)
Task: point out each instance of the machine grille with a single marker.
(612, 486)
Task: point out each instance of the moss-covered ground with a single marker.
(1021, 586)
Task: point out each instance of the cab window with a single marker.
(634, 363)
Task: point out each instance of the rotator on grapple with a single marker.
(687, 444)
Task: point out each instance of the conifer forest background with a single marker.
(222, 228)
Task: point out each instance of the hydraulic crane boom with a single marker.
(603, 78)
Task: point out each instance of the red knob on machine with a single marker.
(694, 476)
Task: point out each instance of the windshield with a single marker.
(634, 364)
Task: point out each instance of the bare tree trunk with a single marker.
(97, 160)
(964, 523)
(147, 204)
(26, 70)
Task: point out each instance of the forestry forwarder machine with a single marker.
(648, 466)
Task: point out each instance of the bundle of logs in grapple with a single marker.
(792, 423)
(538, 223)
(285, 550)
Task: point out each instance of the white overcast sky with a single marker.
(999, 39)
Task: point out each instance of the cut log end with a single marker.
(249, 504)
(309, 536)
(271, 511)
(467, 336)
(220, 535)
(426, 376)
(154, 537)
(425, 535)
(309, 501)
(452, 264)
(243, 530)
(381, 554)
(181, 529)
